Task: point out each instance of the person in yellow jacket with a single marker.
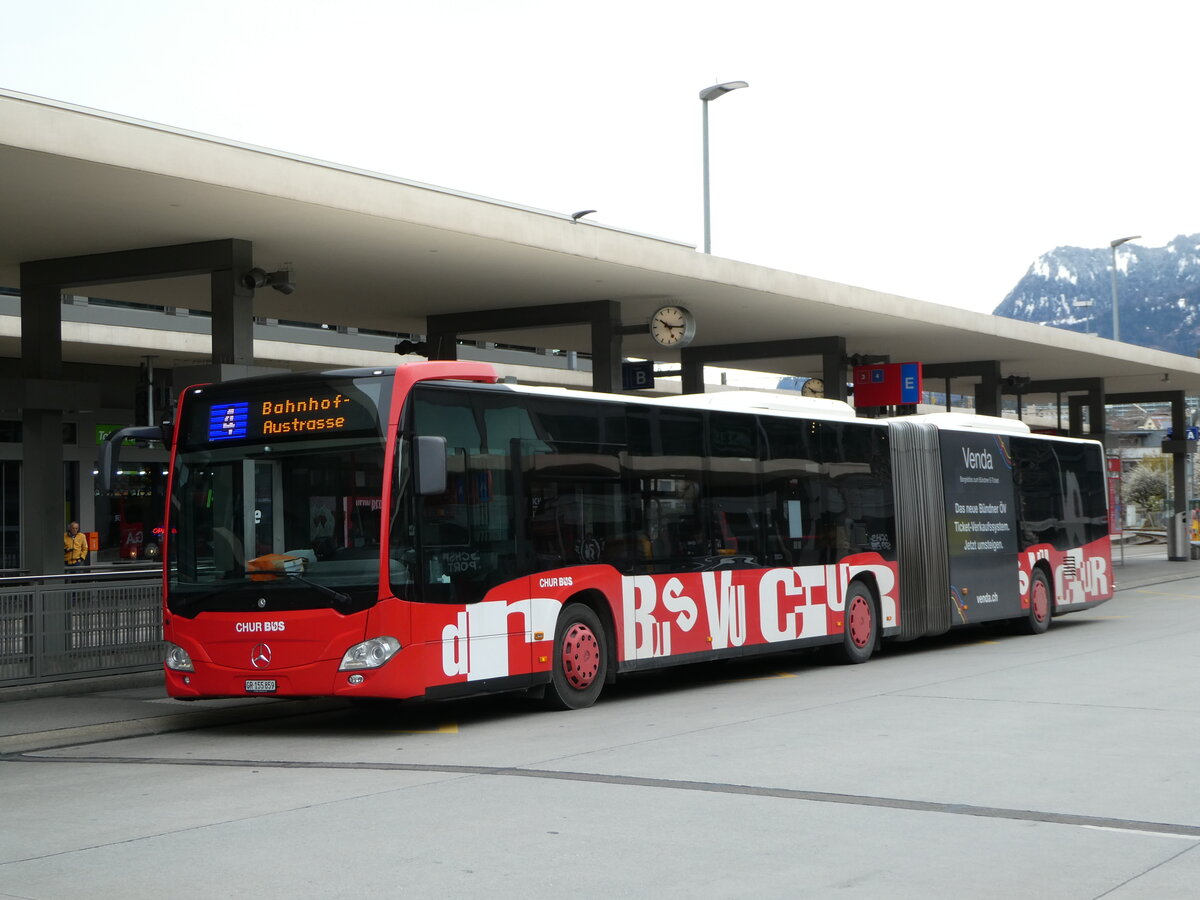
(75, 547)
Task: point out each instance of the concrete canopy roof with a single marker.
(374, 251)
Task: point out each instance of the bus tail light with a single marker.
(177, 659)
(370, 654)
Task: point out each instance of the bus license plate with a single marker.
(259, 687)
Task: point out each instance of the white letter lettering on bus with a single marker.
(774, 583)
(639, 596)
(1097, 576)
(1071, 577)
(677, 602)
(454, 646)
(725, 604)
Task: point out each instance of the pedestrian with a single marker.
(75, 547)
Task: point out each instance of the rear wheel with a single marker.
(580, 659)
(1037, 620)
(861, 626)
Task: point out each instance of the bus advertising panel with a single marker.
(981, 524)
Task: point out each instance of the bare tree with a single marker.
(1147, 486)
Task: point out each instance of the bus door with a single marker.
(266, 516)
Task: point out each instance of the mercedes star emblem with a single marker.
(260, 656)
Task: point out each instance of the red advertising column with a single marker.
(1116, 512)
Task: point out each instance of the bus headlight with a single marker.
(370, 654)
(177, 659)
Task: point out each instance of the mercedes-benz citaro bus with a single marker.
(427, 532)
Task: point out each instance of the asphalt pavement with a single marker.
(63, 713)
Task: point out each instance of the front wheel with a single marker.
(580, 659)
(861, 632)
(1037, 620)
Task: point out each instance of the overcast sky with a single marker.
(929, 149)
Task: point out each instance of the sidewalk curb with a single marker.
(71, 687)
(1133, 584)
(154, 725)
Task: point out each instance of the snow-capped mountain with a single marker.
(1158, 290)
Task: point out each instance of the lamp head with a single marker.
(719, 90)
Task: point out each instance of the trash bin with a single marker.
(1179, 544)
(93, 539)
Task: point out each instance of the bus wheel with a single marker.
(1037, 620)
(862, 625)
(580, 659)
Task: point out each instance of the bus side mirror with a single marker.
(431, 465)
(110, 450)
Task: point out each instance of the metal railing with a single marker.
(57, 627)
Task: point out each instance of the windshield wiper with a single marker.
(344, 599)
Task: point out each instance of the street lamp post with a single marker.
(1087, 323)
(1116, 311)
(712, 93)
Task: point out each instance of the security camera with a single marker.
(404, 348)
(280, 280)
(255, 278)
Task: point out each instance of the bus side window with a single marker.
(734, 496)
(796, 531)
(1039, 492)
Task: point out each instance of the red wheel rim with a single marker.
(860, 621)
(1041, 600)
(580, 656)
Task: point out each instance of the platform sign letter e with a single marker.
(910, 382)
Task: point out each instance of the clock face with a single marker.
(672, 326)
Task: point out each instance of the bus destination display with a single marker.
(276, 417)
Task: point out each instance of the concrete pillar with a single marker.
(233, 309)
(42, 507)
(606, 347)
(987, 393)
(833, 372)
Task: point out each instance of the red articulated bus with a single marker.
(428, 532)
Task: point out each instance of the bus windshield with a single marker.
(277, 496)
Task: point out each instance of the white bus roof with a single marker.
(969, 421)
(730, 401)
(785, 404)
(748, 401)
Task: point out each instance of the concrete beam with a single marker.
(832, 351)
(604, 317)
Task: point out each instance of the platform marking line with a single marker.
(1167, 829)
